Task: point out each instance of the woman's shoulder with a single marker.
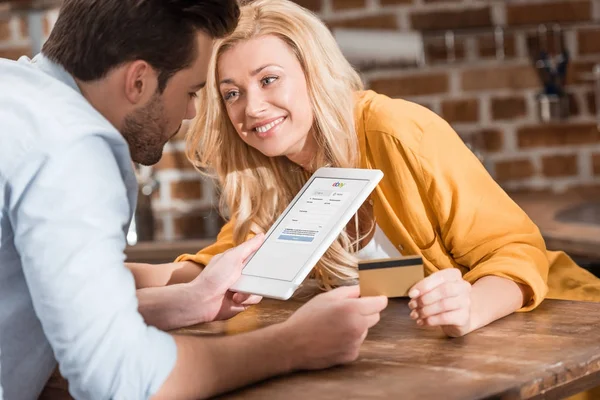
(377, 114)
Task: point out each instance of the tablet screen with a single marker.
(298, 234)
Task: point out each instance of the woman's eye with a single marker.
(269, 79)
(193, 95)
(229, 95)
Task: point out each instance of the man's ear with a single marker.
(141, 81)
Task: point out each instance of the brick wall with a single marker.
(487, 92)
(487, 89)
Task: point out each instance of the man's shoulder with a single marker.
(41, 116)
(36, 97)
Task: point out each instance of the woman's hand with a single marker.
(443, 299)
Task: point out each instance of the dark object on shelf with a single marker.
(553, 103)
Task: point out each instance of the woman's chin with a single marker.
(271, 152)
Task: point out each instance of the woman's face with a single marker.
(265, 93)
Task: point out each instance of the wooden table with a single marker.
(568, 221)
(553, 352)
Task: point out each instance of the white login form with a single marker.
(297, 235)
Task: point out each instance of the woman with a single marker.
(281, 101)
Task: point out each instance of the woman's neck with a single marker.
(306, 156)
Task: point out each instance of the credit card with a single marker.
(391, 277)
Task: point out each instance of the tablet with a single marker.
(305, 230)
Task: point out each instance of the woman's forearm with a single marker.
(494, 297)
(155, 275)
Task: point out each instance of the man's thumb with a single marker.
(248, 248)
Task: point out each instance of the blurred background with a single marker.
(515, 78)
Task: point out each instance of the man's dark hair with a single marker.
(91, 37)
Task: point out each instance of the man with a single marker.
(113, 84)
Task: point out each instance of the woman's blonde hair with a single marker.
(254, 188)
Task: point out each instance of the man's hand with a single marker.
(215, 301)
(330, 328)
(443, 299)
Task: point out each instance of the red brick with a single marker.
(46, 28)
(580, 72)
(186, 190)
(385, 21)
(451, 19)
(596, 163)
(494, 77)
(190, 226)
(5, 33)
(437, 51)
(574, 108)
(392, 2)
(197, 225)
(347, 4)
(552, 135)
(487, 45)
(545, 12)
(24, 27)
(514, 170)
(590, 98)
(549, 43)
(463, 110)
(508, 107)
(313, 5)
(491, 140)
(174, 160)
(15, 52)
(589, 41)
(559, 165)
(412, 85)
(159, 229)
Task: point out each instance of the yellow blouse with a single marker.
(437, 200)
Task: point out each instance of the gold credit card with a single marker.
(391, 277)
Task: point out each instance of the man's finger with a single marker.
(344, 292)
(433, 281)
(246, 299)
(241, 252)
(235, 310)
(254, 299)
(371, 305)
(373, 319)
(248, 248)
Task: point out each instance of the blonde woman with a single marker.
(281, 101)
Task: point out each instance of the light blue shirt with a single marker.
(67, 195)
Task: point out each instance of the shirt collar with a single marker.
(55, 70)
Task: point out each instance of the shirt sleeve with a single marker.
(473, 220)
(69, 212)
(479, 224)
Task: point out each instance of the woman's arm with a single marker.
(494, 297)
(445, 299)
(186, 267)
(474, 224)
(154, 275)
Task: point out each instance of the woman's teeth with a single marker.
(265, 128)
